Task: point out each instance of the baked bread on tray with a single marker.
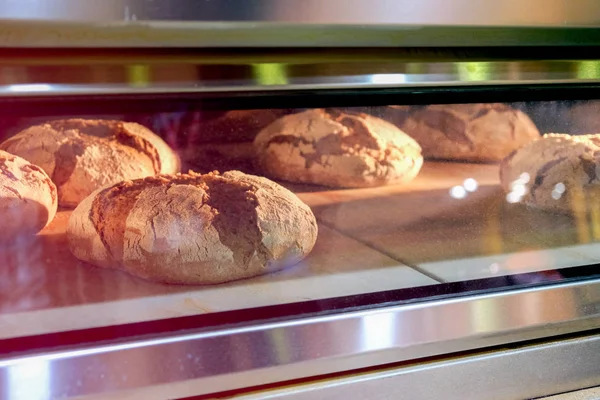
(193, 228)
(465, 132)
(28, 198)
(82, 155)
(556, 172)
(337, 149)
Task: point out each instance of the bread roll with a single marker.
(28, 198)
(193, 228)
(555, 172)
(465, 132)
(337, 149)
(83, 155)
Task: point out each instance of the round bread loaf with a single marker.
(193, 228)
(83, 155)
(466, 132)
(337, 149)
(28, 198)
(553, 172)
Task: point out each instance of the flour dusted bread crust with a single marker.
(193, 228)
(81, 155)
(28, 198)
(337, 149)
(556, 172)
(466, 132)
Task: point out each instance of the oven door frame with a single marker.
(256, 353)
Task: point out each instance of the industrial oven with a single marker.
(433, 178)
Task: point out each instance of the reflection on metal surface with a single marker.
(388, 79)
(588, 70)
(189, 76)
(438, 12)
(293, 23)
(30, 88)
(524, 373)
(270, 74)
(19, 379)
(273, 352)
(296, 23)
(379, 331)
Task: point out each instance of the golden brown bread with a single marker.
(338, 149)
(556, 172)
(193, 228)
(28, 198)
(83, 155)
(465, 132)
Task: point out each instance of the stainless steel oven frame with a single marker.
(564, 369)
(261, 353)
(157, 74)
(297, 23)
(246, 355)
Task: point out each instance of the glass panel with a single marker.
(405, 200)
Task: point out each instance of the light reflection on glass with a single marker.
(528, 261)
(494, 268)
(518, 188)
(513, 197)
(458, 192)
(470, 185)
(558, 191)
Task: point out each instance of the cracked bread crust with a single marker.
(337, 149)
(466, 132)
(28, 198)
(555, 159)
(193, 228)
(82, 155)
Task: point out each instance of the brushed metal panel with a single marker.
(238, 357)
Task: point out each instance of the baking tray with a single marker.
(370, 240)
(45, 289)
